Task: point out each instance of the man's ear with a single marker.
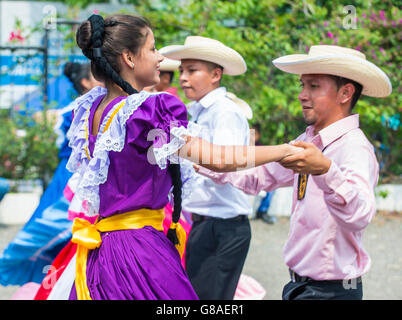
(346, 92)
(217, 75)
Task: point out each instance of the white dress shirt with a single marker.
(223, 123)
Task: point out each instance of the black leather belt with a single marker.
(197, 218)
(296, 278)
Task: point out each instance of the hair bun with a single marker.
(83, 36)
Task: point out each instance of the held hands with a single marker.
(291, 149)
(309, 161)
(300, 156)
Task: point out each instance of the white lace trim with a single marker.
(76, 133)
(94, 172)
(168, 150)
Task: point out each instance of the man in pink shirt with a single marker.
(333, 178)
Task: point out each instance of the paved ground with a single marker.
(382, 240)
(7, 233)
(264, 263)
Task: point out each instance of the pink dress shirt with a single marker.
(326, 227)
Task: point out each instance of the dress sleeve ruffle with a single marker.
(159, 127)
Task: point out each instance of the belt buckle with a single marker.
(292, 275)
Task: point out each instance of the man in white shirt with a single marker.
(219, 240)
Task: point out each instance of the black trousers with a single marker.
(215, 254)
(321, 290)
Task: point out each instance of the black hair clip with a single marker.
(97, 52)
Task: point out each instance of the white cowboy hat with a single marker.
(338, 61)
(169, 65)
(244, 106)
(206, 49)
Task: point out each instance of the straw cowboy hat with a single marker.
(201, 48)
(338, 61)
(244, 106)
(169, 65)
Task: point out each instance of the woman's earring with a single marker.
(132, 65)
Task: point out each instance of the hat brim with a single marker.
(231, 61)
(374, 81)
(169, 65)
(244, 106)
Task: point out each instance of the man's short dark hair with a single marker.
(170, 73)
(257, 126)
(211, 66)
(340, 81)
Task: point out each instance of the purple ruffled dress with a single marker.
(138, 264)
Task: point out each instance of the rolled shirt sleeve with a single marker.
(252, 181)
(349, 188)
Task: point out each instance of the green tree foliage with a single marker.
(27, 148)
(262, 30)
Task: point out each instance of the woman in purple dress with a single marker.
(124, 141)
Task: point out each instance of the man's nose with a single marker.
(302, 95)
(182, 76)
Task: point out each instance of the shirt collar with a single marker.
(209, 99)
(206, 101)
(335, 130)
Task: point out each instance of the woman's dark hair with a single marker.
(103, 41)
(175, 173)
(75, 72)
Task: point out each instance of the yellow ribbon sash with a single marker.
(181, 236)
(87, 237)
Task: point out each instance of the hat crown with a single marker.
(207, 49)
(197, 40)
(343, 62)
(320, 50)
